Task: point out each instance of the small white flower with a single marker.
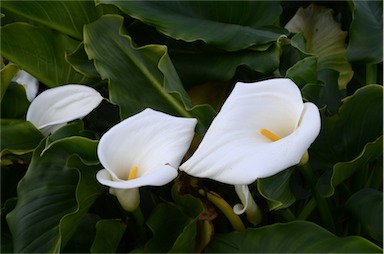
(143, 150)
(54, 107)
(30, 84)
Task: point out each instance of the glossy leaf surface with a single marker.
(54, 195)
(365, 42)
(298, 237)
(246, 25)
(44, 56)
(67, 17)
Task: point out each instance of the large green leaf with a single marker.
(41, 52)
(367, 206)
(108, 236)
(139, 77)
(248, 23)
(54, 195)
(350, 139)
(293, 237)
(323, 38)
(366, 33)
(67, 17)
(343, 170)
(18, 136)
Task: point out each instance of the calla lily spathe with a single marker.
(150, 143)
(30, 83)
(236, 148)
(54, 107)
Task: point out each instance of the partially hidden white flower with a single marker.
(54, 107)
(143, 150)
(262, 129)
(30, 83)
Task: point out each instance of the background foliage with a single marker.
(183, 58)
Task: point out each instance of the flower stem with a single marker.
(371, 74)
(227, 210)
(324, 210)
(140, 222)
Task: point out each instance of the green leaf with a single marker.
(367, 206)
(366, 33)
(44, 56)
(293, 237)
(324, 93)
(18, 136)
(191, 206)
(138, 77)
(350, 139)
(174, 226)
(54, 195)
(167, 222)
(203, 66)
(276, 189)
(6, 237)
(108, 236)
(304, 71)
(7, 73)
(14, 104)
(136, 82)
(323, 38)
(343, 170)
(80, 62)
(67, 17)
(246, 24)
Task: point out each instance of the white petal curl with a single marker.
(234, 152)
(150, 140)
(248, 205)
(59, 105)
(158, 177)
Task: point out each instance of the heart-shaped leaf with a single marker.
(54, 195)
(139, 77)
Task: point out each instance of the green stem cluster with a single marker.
(322, 204)
(227, 210)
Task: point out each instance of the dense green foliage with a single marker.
(183, 58)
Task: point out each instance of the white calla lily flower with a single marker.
(30, 83)
(262, 129)
(54, 107)
(143, 150)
